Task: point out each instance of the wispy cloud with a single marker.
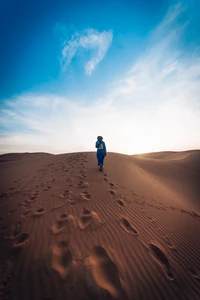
(154, 106)
(91, 39)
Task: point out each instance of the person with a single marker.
(101, 151)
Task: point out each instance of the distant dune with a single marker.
(68, 231)
(170, 154)
(176, 171)
(18, 156)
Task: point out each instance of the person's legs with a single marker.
(102, 158)
(101, 161)
(99, 158)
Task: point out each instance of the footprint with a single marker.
(105, 272)
(194, 273)
(33, 195)
(11, 212)
(81, 176)
(70, 185)
(67, 194)
(85, 196)
(4, 195)
(69, 179)
(62, 260)
(87, 218)
(38, 212)
(83, 184)
(112, 193)
(173, 208)
(119, 202)
(194, 215)
(105, 179)
(47, 188)
(56, 207)
(21, 241)
(60, 224)
(26, 204)
(72, 202)
(31, 199)
(127, 226)
(159, 256)
(26, 214)
(112, 185)
(15, 230)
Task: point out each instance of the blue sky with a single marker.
(71, 70)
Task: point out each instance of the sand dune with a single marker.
(170, 154)
(177, 172)
(68, 231)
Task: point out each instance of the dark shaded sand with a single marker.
(68, 231)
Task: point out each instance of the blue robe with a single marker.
(101, 152)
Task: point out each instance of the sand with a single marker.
(68, 231)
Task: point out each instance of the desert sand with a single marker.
(68, 231)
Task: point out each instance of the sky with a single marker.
(128, 70)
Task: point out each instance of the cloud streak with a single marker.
(154, 106)
(89, 39)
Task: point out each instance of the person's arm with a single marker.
(97, 144)
(105, 148)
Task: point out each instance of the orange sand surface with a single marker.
(69, 231)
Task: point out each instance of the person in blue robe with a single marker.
(101, 151)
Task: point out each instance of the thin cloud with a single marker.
(154, 106)
(98, 42)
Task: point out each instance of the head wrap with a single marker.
(99, 138)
